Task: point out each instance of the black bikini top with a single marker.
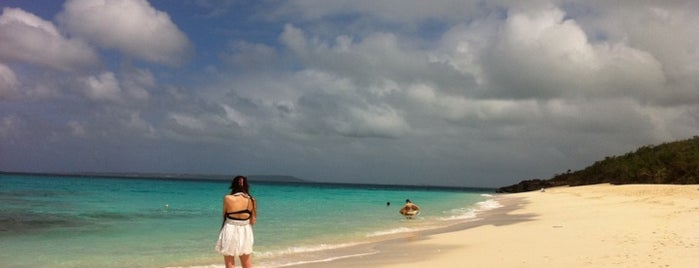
(243, 211)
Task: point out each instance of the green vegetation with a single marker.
(668, 163)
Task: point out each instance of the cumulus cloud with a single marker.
(467, 92)
(489, 72)
(534, 73)
(133, 27)
(26, 38)
(667, 33)
(543, 55)
(373, 59)
(130, 86)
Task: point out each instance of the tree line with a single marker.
(668, 163)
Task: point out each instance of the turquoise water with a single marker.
(112, 222)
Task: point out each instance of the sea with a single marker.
(63, 221)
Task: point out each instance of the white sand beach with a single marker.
(586, 226)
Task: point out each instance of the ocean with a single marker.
(51, 221)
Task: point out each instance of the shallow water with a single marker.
(113, 222)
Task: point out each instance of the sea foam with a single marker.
(398, 230)
(488, 205)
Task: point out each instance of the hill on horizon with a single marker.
(668, 163)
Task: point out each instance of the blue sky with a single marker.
(456, 93)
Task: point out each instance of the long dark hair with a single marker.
(240, 185)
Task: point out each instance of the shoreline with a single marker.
(585, 226)
(391, 249)
(374, 244)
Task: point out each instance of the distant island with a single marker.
(668, 163)
(137, 175)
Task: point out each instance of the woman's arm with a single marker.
(253, 217)
(224, 212)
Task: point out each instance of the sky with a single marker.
(441, 92)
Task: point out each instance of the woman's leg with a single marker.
(246, 261)
(229, 261)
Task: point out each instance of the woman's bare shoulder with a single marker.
(237, 197)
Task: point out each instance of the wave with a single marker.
(302, 249)
(471, 213)
(398, 230)
(460, 214)
(278, 265)
(199, 266)
(329, 259)
(488, 205)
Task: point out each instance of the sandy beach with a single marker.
(586, 226)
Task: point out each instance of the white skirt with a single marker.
(236, 238)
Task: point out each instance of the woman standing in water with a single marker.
(239, 214)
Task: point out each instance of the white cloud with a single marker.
(133, 121)
(8, 82)
(542, 55)
(233, 115)
(376, 58)
(462, 47)
(26, 38)
(108, 87)
(104, 87)
(133, 27)
(666, 30)
(533, 85)
(460, 91)
(294, 38)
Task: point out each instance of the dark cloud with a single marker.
(351, 91)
